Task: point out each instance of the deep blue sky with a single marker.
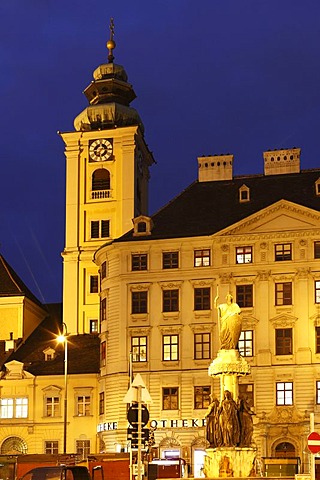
(211, 76)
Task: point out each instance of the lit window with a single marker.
(202, 344)
(283, 293)
(94, 284)
(139, 302)
(83, 448)
(201, 397)
(245, 343)
(139, 261)
(284, 393)
(317, 291)
(170, 398)
(170, 347)
(52, 406)
(94, 326)
(244, 254)
(51, 447)
(101, 403)
(139, 349)
(202, 298)
(14, 407)
(283, 251)
(83, 406)
(170, 260)
(244, 294)
(283, 341)
(170, 301)
(202, 258)
(317, 391)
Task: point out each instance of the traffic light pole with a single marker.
(139, 476)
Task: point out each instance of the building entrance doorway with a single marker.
(198, 463)
(285, 449)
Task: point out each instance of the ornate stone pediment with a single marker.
(285, 415)
(283, 320)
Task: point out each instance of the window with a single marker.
(103, 309)
(139, 302)
(245, 343)
(284, 393)
(52, 406)
(170, 344)
(139, 261)
(317, 339)
(94, 326)
(202, 344)
(100, 229)
(83, 406)
(170, 398)
(202, 258)
(244, 254)
(244, 294)
(103, 270)
(100, 180)
(142, 227)
(170, 260)
(51, 447)
(283, 252)
(103, 351)
(318, 391)
(139, 349)
(283, 293)
(83, 448)
(202, 298)
(201, 397)
(14, 407)
(317, 291)
(94, 284)
(101, 403)
(246, 391)
(170, 300)
(316, 249)
(283, 341)
(244, 194)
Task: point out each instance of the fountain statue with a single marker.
(229, 424)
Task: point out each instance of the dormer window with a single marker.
(142, 225)
(317, 186)
(244, 194)
(49, 354)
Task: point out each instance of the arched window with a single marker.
(13, 446)
(285, 449)
(101, 179)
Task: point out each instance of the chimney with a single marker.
(278, 162)
(215, 167)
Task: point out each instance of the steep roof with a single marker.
(11, 284)
(205, 208)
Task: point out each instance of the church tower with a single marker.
(107, 175)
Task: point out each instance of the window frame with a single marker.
(317, 291)
(283, 294)
(317, 392)
(99, 229)
(317, 335)
(201, 298)
(282, 252)
(83, 403)
(101, 403)
(283, 342)
(14, 407)
(244, 254)
(139, 262)
(202, 257)
(244, 298)
(244, 391)
(201, 396)
(170, 300)
(51, 447)
(316, 249)
(170, 260)
(52, 407)
(139, 302)
(139, 350)
(94, 284)
(245, 344)
(171, 394)
(286, 391)
(202, 346)
(170, 347)
(83, 448)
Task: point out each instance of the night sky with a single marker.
(211, 77)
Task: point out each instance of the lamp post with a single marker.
(62, 338)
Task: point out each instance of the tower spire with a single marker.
(111, 44)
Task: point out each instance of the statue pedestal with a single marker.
(229, 462)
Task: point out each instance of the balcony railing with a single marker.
(100, 194)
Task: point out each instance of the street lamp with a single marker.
(62, 338)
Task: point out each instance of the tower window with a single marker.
(100, 229)
(101, 179)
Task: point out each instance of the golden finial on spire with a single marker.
(111, 44)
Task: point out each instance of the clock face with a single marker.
(100, 150)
